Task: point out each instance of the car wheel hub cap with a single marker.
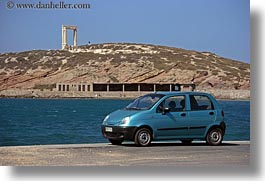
(215, 137)
(144, 138)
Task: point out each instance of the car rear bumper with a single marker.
(119, 132)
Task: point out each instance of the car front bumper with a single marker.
(118, 132)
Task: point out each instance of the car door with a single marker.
(173, 123)
(201, 114)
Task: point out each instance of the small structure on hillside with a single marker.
(123, 87)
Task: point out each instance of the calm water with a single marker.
(62, 121)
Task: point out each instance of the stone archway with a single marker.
(65, 46)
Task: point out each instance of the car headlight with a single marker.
(125, 120)
(105, 119)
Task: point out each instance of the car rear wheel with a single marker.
(115, 142)
(214, 137)
(143, 137)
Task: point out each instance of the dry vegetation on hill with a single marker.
(121, 62)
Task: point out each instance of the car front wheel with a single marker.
(214, 137)
(143, 137)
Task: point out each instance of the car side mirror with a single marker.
(165, 110)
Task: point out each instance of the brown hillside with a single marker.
(121, 62)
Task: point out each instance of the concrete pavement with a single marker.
(103, 154)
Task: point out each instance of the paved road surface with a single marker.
(104, 154)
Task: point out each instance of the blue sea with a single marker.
(72, 121)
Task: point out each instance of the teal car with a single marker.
(184, 116)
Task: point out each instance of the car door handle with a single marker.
(183, 114)
(211, 113)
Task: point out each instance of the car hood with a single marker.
(117, 116)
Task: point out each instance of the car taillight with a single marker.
(223, 113)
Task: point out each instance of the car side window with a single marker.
(175, 104)
(198, 103)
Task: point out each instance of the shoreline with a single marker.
(100, 98)
(219, 94)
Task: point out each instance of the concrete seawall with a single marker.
(103, 154)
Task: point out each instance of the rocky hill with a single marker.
(121, 62)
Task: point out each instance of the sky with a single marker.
(218, 26)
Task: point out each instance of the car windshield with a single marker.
(144, 102)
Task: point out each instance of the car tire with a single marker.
(214, 137)
(143, 137)
(115, 142)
